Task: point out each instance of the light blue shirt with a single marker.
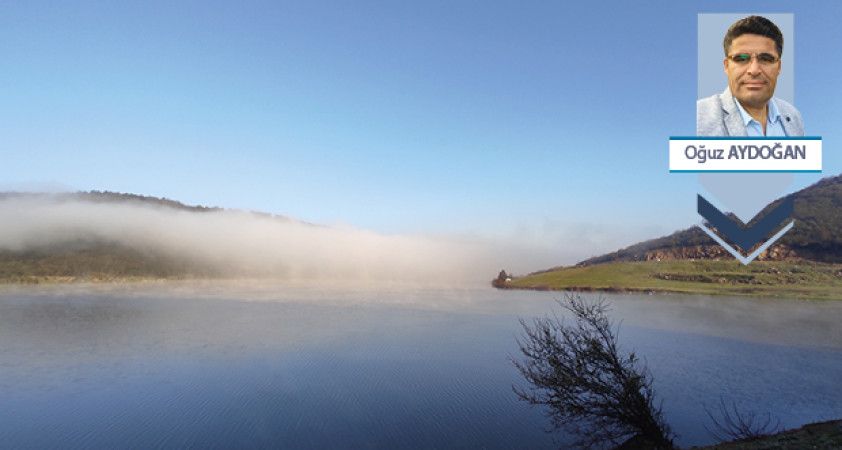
(774, 126)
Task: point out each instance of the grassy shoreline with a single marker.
(781, 279)
(819, 435)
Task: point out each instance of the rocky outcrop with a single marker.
(774, 253)
(502, 280)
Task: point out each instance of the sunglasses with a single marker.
(765, 59)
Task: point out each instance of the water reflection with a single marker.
(244, 364)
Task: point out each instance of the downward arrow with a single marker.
(747, 259)
(735, 230)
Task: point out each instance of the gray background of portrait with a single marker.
(711, 76)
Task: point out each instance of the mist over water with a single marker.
(334, 336)
(239, 243)
(242, 244)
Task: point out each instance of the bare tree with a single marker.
(592, 390)
(735, 425)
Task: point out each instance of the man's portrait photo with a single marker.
(749, 105)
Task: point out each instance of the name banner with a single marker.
(745, 154)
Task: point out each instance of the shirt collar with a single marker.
(773, 114)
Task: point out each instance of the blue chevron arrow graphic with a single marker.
(747, 259)
(744, 236)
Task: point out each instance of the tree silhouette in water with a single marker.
(592, 390)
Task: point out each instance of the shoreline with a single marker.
(817, 435)
(800, 280)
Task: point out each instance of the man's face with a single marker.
(752, 82)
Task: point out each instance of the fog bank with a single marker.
(246, 244)
(241, 244)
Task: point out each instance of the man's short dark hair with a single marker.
(754, 25)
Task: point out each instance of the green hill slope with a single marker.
(89, 257)
(817, 235)
(805, 263)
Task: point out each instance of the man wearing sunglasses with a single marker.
(753, 48)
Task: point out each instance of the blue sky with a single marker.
(401, 117)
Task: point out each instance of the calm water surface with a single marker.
(296, 365)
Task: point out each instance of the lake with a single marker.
(248, 364)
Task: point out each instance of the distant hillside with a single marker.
(94, 258)
(96, 261)
(817, 235)
(805, 263)
(105, 197)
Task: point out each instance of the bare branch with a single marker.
(733, 424)
(590, 387)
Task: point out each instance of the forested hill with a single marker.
(68, 251)
(817, 235)
(106, 197)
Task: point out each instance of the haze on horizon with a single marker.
(247, 244)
